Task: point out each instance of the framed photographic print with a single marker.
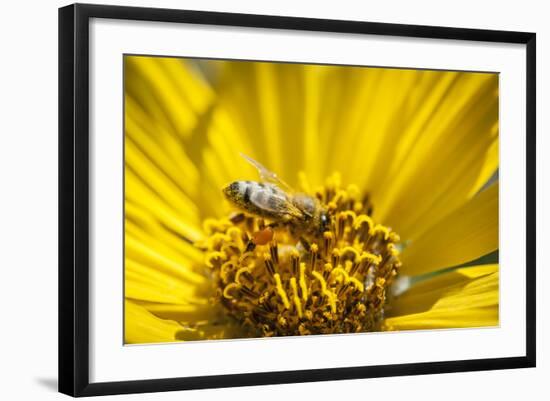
(277, 199)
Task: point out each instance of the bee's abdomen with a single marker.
(251, 196)
(238, 191)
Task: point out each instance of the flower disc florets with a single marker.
(332, 283)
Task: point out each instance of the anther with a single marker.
(353, 191)
(339, 271)
(348, 266)
(357, 284)
(379, 229)
(327, 269)
(394, 237)
(226, 271)
(215, 257)
(228, 288)
(212, 226)
(335, 259)
(234, 233)
(349, 251)
(313, 260)
(217, 239)
(341, 197)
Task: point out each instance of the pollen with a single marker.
(329, 283)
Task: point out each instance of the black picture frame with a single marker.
(74, 194)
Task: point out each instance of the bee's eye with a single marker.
(324, 221)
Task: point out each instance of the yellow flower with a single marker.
(404, 162)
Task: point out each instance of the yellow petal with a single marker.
(240, 99)
(465, 235)
(144, 227)
(171, 265)
(372, 119)
(189, 313)
(270, 112)
(143, 197)
(161, 149)
(148, 284)
(276, 107)
(171, 92)
(140, 326)
(209, 331)
(444, 155)
(313, 162)
(466, 297)
(154, 178)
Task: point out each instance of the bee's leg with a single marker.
(250, 246)
(237, 218)
(249, 241)
(261, 237)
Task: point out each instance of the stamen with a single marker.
(294, 261)
(326, 292)
(378, 229)
(327, 235)
(274, 252)
(245, 272)
(226, 270)
(362, 226)
(228, 288)
(335, 260)
(349, 251)
(269, 265)
(326, 270)
(358, 285)
(248, 292)
(338, 271)
(303, 285)
(295, 297)
(281, 291)
(321, 280)
(215, 257)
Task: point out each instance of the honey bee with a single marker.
(273, 199)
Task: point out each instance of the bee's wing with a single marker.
(267, 175)
(272, 199)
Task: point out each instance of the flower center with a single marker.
(275, 284)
